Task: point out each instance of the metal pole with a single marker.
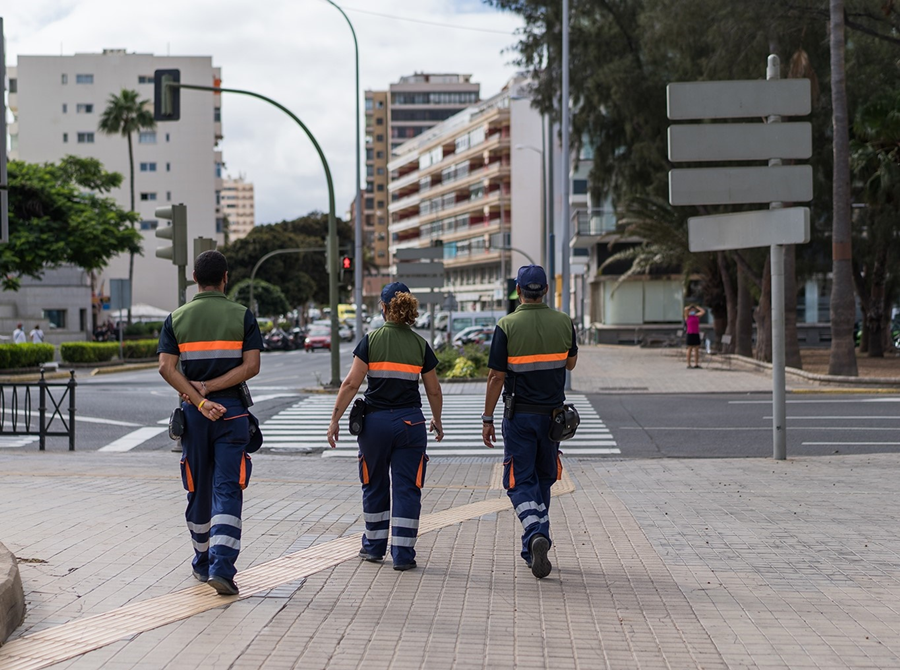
(182, 285)
(779, 432)
(275, 253)
(567, 163)
(551, 213)
(357, 224)
(42, 412)
(72, 384)
(545, 215)
(4, 181)
(331, 264)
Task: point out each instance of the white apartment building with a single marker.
(463, 182)
(56, 107)
(237, 207)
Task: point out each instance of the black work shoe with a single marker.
(540, 564)
(405, 566)
(224, 587)
(200, 577)
(371, 558)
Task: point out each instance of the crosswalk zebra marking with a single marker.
(303, 427)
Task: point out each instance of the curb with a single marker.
(123, 368)
(12, 596)
(883, 384)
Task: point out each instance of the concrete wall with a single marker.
(67, 289)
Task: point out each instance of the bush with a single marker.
(150, 328)
(478, 354)
(462, 369)
(88, 352)
(446, 358)
(24, 355)
(139, 348)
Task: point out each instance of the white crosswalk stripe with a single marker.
(303, 427)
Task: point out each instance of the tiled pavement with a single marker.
(662, 563)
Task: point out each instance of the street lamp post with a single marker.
(567, 164)
(357, 223)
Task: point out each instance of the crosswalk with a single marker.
(302, 428)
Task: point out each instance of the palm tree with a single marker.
(126, 114)
(843, 305)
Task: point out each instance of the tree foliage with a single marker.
(59, 214)
(302, 276)
(269, 299)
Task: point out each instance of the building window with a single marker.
(148, 196)
(65, 138)
(168, 167)
(169, 196)
(379, 187)
(368, 104)
(56, 318)
(65, 79)
(82, 320)
(65, 108)
(218, 170)
(370, 203)
(380, 104)
(149, 224)
(370, 187)
(220, 225)
(381, 204)
(167, 137)
(379, 121)
(147, 137)
(83, 78)
(379, 154)
(379, 170)
(579, 186)
(13, 85)
(217, 114)
(84, 108)
(148, 167)
(145, 79)
(379, 138)
(369, 154)
(381, 223)
(370, 170)
(85, 138)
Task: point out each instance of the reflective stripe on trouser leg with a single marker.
(374, 454)
(525, 441)
(408, 463)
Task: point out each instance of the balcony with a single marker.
(405, 224)
(405, 203)
(591, 227)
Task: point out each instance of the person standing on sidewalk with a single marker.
(393, 438)
(37, 335)
(692, 314)
(531, 351)
(19, 335)
(218, 342)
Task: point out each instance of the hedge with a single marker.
(88, 352)
(139, 348)
(143, 328)
(24, 355)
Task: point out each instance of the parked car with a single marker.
(317, 338)
(424, 321)
(278, 340)
(376, 322)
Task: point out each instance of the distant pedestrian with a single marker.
(37, 335)
(19, 335)
(218, 342)
(692, 314)
(392, 443)
(530, 352)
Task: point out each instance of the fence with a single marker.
(18, 421)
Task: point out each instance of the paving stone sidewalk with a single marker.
(664, 563)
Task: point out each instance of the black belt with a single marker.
(371, 409)
(232, 392)
(546, 410)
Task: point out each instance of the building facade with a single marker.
(237, 205)
(56, 111)
(463, 183)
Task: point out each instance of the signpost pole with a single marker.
(779, 414)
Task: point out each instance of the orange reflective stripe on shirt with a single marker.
(538, 358)
(396, 367)
(211, 345)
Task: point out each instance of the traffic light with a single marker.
(347, 263)
(202, 244)
(177, 232)
(166, 98)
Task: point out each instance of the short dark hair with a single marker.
(210, 268)
(528, 294)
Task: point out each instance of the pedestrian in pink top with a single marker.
(692, 314)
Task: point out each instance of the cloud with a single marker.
(298, 52)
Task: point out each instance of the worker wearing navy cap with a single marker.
(393, 438)
(530, 353)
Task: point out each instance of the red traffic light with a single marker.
(346, 263)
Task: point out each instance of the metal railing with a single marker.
(16, 420)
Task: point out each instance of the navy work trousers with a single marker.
(215, 469)
(392, 450)
(530, 466)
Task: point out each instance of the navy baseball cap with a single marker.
(392, 289)
(532, 277)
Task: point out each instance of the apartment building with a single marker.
(236, 203)
(464, 183)
(56, 107)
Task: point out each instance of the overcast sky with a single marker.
(298, 52)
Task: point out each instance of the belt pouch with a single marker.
(357, 416)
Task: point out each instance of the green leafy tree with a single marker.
(59, 214)
(269, 299)
(302, 276)
(126, 114)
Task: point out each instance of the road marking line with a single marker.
(66, 641)
(133, 439)
(837, 418)
(110, 422)
(851, 444)
(813, 402)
